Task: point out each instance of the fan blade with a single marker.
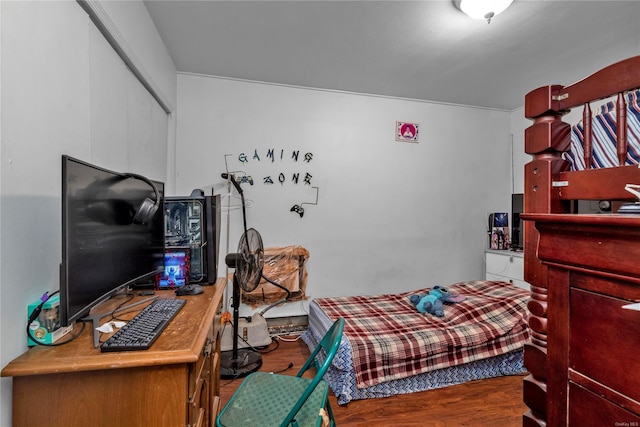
(251, 261)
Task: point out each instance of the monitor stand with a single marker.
(95, 318)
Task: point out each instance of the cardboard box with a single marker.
(46, 327)
(285, 266)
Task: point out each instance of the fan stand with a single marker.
(237, 363)
(241, 362)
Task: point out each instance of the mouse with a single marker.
(189, 290)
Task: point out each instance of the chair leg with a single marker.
(332, 421)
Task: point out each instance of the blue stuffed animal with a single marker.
(432, 302)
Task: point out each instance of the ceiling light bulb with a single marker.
(483, 9)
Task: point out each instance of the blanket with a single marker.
(390, 339)
(604, 136)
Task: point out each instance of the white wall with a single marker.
(519, 158)
(64, 91)
(131, 22)
(391, 216)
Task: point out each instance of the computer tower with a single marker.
(193, 222)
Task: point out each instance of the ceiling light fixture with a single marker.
(482, 9)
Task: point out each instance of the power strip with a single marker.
(287, 330)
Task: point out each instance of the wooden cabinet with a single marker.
(585, 367)
(507, 266)
(176, 382)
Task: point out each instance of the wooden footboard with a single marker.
(550, 188)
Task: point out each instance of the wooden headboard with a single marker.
(549, 186)
(551, 189)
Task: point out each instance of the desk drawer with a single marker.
(604, 341)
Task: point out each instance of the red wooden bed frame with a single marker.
(581, 262)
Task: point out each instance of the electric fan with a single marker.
(247, 264)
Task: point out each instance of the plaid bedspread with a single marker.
(390, 339)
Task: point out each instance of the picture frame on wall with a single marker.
(407, 132)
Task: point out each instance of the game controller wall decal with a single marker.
(299, 209)
(245, 179)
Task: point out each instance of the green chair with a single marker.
(264, 399)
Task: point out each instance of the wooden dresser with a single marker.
(174, 383)
(586, 370)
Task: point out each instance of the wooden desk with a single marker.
(174, 383)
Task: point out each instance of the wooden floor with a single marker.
(494, 402)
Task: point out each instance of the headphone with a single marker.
(120, 212)
(148, 208)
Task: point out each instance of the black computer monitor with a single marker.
(112, 234)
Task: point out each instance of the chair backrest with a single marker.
(329, 343)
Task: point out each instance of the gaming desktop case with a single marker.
(194, 222)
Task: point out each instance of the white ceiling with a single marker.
(425, 50)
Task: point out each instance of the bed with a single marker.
(389, 348)
(584, 269)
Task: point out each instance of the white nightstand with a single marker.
(507, 266)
